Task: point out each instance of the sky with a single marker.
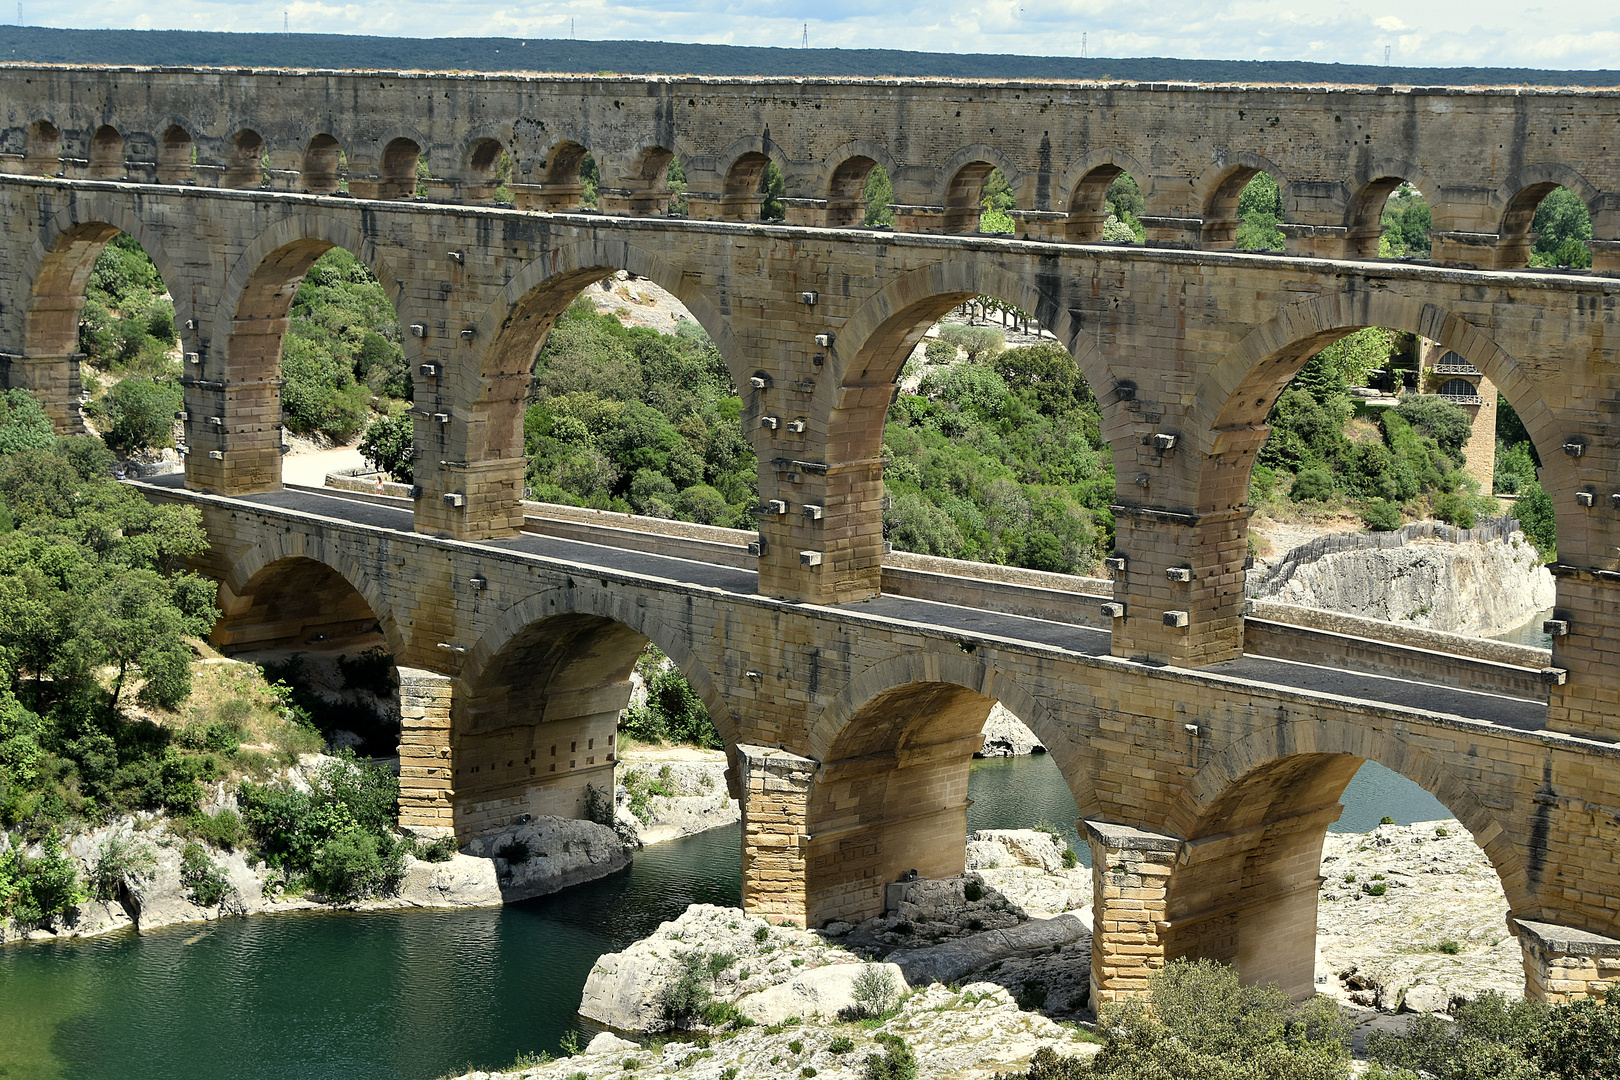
(1495, 33)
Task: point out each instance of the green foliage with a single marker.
(687, 995)
(897, 1062)
(1563, 225)
(126, 323)
(996, 201)
(222, 830)
(627, 418)
(140, 414)
(437, 851)
(39, 891)
(1204, 1023)
(121, 863)
(1313, 484)
(1381, 515)
(389, 447)
(1259, 210)
(1515, 467)
(1125, 202)
(841, 1044)
(773, 187)
(24, 424)
(879, 197)
(342, 347)
(206, 884)
(673, 712)
(1406, 222)
(1441, 420)
(339, 834)
(1487, 1037)
(873, 992)
(1534, 509)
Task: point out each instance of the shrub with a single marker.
(389, 446)
(1580, 1040)
(1380, 515)
(222, 830)
(140, 414)
(1450, 947)
(121, 862)
(38, 891)
(897, 1062)
(843, 1044)
(686, 996)
(972, 891)
(1454, 508)
(356, 864)
(938, 352)
(24, 424)
(206, 884)
(1486, 1037)
(1447, 424)
(1375, 888)
(1070, 859)
(1313, 484)
(874, 992)
(515, 852)
(438, 851)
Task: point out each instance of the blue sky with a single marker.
(1579, 34)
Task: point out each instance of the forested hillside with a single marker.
(187, 48)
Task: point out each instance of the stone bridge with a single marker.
(1207, 751)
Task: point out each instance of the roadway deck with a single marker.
(1511, 712)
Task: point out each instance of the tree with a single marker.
(773, 187)
(1259, 210)
(24, 424)
(140, 414)
(1563, 226)
(389, 446)
(1439, 419)
(879, 197)
(1406, 222)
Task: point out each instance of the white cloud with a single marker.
(1496, 33)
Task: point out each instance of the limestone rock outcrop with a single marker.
(1472, 588)
(699, 800)
(543, 855)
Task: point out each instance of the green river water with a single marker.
(414, 995)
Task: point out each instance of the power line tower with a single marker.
(804, 37)
(1386, 56)
(1082, 46)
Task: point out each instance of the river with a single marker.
(414, 995)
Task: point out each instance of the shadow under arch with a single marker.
(290, 588)
(1236, 396)
(1520, 196)
(1253, 820)
(538, 701)
(1083, 191)
(520, 321)
(895, 748)
(1364, 207)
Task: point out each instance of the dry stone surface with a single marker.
(1377, 949)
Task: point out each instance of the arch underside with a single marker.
(891, 797)
(293, 603)
(540, 724)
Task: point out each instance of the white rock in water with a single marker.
(824, 991)
(460, 881)
(1006, 736)
(562, 852)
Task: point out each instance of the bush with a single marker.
(36, 892)
(1580, 1040)
(897, 1062)
(389, 447)
(24, 424)
(1444, 422)
(1534, 509)
(685, 998)
(140, 414)
(1454, 508)
(874, 992)
(121, 862)
(1486, 1037)
(1381, 515)
(355, 864)
(438, 851)
(842, 1044)
(206, 884)
(938, 352)
(1313, 484)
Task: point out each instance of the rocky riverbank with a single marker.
(665, 793)
(532, 857)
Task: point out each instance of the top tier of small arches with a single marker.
(1335, 158)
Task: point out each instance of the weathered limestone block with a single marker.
(1562, 964)
(1130, 879)
(775, 798)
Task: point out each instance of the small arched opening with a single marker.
(245, 164)
(1389, 219)
(323, 169)
(860, 194)
(486, 171)
(753, 190)
(177, 156)
(43, 154)
(1547, 225)
(107, 154)
(964, 197)
(1105, 206)
(397, 169)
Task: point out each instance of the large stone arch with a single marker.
(517, 324)
(1215, 192)
(1234, 399)
(1244, 882)
(1087, 164)
(889, 794)
(537, 704)
(257, 568)
(58, 262)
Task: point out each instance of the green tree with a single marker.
(140, 414)
(1259, 210)
(1406, 221)
(879, 197)
(1563, 226)
(24, 424)
(773, 187)
(389, 446)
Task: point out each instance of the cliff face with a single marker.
(1484, 588)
